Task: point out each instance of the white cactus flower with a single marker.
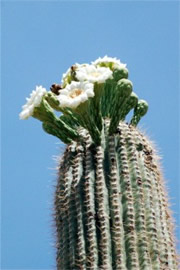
(67, 74)
(33, 101)
(93, 74)
(117, 63)
(75, 93)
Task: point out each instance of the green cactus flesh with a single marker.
(111, 208)
(110, 205)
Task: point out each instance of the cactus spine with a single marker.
(114, 209)
(111, 209)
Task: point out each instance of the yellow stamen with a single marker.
(75, 93)
(95, 74)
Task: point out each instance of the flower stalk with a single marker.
(139, 111)
(96, 105)
(123, 91)
(86, 118)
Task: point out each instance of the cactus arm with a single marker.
(89, 209)
(102, 206)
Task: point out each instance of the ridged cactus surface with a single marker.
(111, 208)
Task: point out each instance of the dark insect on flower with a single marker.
(73, 68)
(55, 88)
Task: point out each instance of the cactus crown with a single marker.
(89, 94)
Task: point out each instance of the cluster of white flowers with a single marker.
(75, 93)
(33, 101)
(94, 72)
(86, 75)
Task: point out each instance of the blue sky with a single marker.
(40, 40)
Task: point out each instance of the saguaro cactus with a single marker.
(111, 208)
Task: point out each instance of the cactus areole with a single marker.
(111, 209)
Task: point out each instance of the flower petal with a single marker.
(33, 101)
